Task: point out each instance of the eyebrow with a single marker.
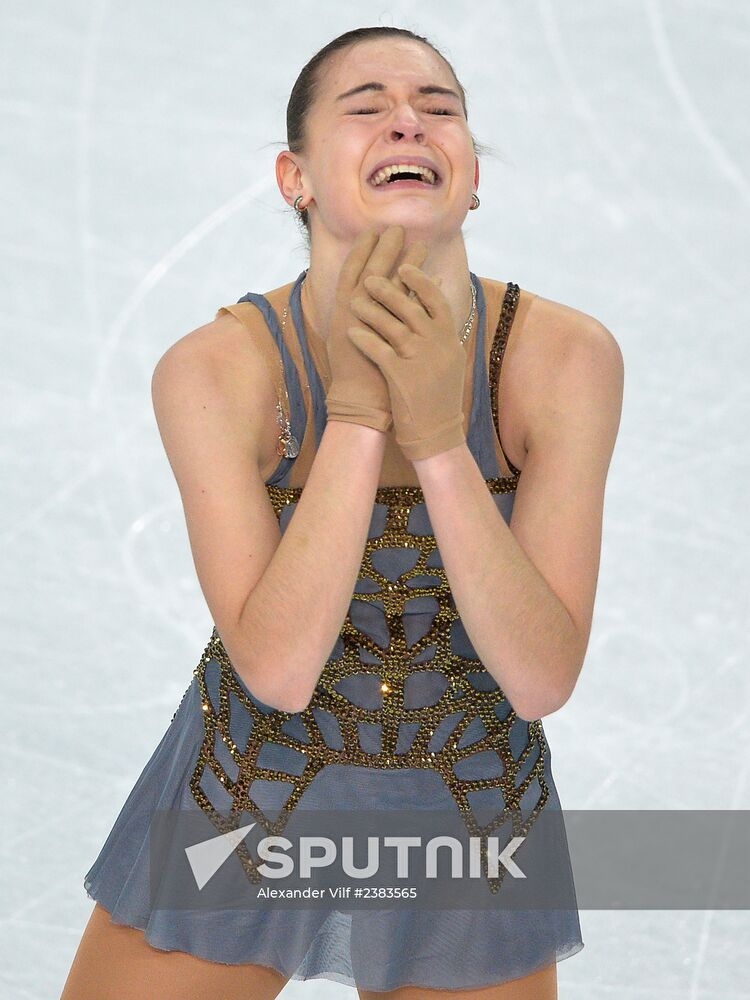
(430, 88)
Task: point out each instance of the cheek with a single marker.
(342, 171)
(465, 165)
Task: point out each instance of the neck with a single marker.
(447, 261)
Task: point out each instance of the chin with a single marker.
(421, 220)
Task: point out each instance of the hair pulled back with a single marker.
(307, 84)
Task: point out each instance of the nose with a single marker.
(406, 125)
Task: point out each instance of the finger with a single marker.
(385, 254)
(384, 322)
(401, 318)
(428, 292)
(355, 260)
(372, 345)
(416, 254)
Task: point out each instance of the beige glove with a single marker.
(358, 392)
(415, 344)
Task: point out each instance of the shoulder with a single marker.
(569, 367)
(559, 337)
(555, 354)
(566, 342)
(221, 366)
(219, 353)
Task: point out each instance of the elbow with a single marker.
(541, 703)
(295, 694)
(550, 699)
(263, 685)
(286, 700)
(294, 698)
(266, 695)
(290, 705)
(279, 702)
(526, 713)
(534, 710)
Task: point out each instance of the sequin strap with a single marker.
(507, 314)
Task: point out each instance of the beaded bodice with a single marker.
(403, 686)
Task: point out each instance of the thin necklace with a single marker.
(470, 320)
(288, 445)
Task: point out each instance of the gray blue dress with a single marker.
(404, 714)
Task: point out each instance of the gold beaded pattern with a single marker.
(507, 313)
(470, 697)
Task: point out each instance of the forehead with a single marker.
(394, 62)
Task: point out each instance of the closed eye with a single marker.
(430, 111)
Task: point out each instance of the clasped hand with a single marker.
(410, 336)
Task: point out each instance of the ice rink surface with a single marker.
(139, 195)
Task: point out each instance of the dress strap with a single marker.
(317, 390)
(507, 313)
(297, 415)
(480, 435)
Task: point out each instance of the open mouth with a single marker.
(416, 177)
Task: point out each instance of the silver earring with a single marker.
(296, 205)
(475, 198)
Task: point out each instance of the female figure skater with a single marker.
(392, 637)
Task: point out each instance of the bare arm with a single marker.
(293, 616)
(278, 601)
(526, 592)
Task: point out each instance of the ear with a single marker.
(289, 177)
(476, 173)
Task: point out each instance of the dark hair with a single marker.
(307, 84)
